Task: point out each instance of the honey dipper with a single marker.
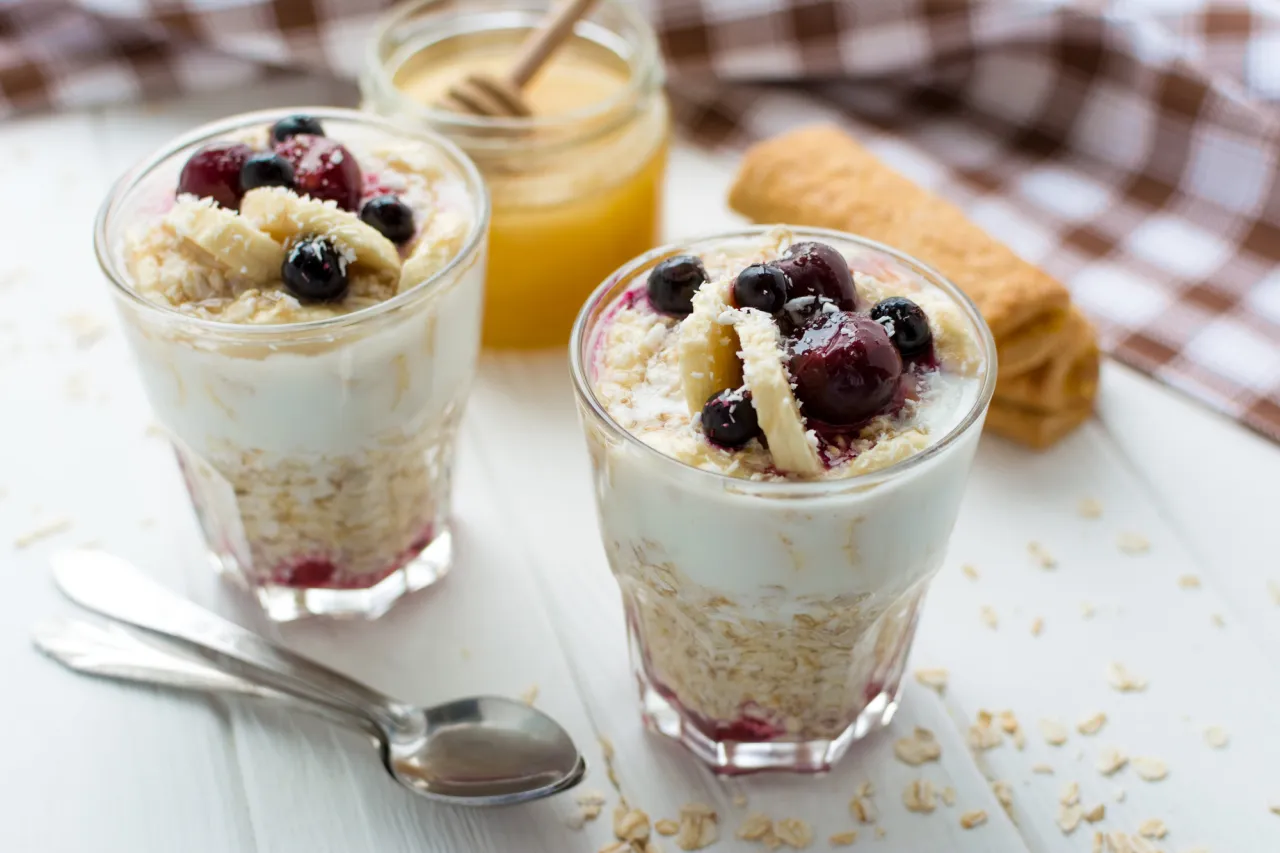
(500, 97)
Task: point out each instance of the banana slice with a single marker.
(283, 215)
(228, 240)
(708, 349)
(439, 242)
(770, 387)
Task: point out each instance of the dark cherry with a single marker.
(910, 327)
(266, 169)
(324, 169)
(819, 274)
(762, 286)
(729, 418)
(313, 271)
(845, 368)
(214, 172)
(294, 125)
(672, 284)
(390, 216)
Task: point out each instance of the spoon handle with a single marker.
(115, 588)
(112, 652)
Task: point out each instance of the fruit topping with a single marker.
(266, 169)
(845, 368)
(906, 323)
(729, 418)
(214, 172)
(762, 286)
(314, 271)
(324, 169)
(819, 277)
(391, 216)
(672, 284)
(294, 125)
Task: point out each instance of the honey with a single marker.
(576, 189)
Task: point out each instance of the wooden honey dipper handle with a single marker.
(538, 48)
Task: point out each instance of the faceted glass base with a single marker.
(285, 603)
(733, 758)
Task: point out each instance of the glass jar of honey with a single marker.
(576, 188)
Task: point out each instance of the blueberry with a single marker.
(294, 125)
(845, 368)
(908, 327)
(390, 216)
(762, 286)
(673, 282)
(266, 170)
(313, 271)
(729, 418)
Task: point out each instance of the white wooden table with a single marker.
(91, 765)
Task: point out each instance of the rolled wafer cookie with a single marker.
(1069, 378)
(820, 176)
(1034, 427)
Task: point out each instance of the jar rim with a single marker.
(582, 336)
(109, 261)
(646, 75)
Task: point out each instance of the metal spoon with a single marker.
(480, 751)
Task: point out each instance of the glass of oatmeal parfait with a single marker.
(302, 291)
(781, 423)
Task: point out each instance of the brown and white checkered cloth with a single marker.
(1129, 147)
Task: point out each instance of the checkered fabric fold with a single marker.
(1130, 148)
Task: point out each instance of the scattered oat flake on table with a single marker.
(1004, 795)
(970, 571)
(630, 824)
(1037, 625)
(922, 746)
(949, 796)
(1275, 808)
(1217, 620)
(880, 832)
(1189, 582)
(843, 839)
(1132, 543)
(935, 678)
(1092, 724)
(666, 826)
(1043, 769)
(988, 617)
(1119, 795)
(697, 826)
(1096, 813)
(53, 527)
(1098, 841)
(1089, 508)
(530, 695)
(1274, 589)
(1070, 794)
(1042, 557)
(793, 832)
(1150, 769)
(1216, 737)
(739, 799)
(1119, 677)
(1153, 828)
(863, 809)
(982, 735)
(84, 327)
(1069, 817)
(755, 827)
(969, 820)
(1110, 761)
(866, 789)
(1053, 732)
(919, 796)
(1086, 610)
